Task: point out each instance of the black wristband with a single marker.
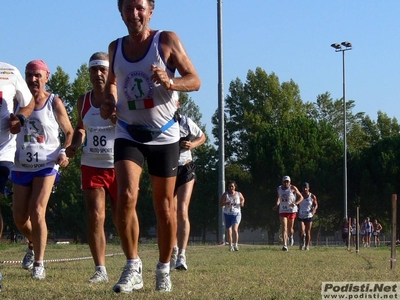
(22, 119)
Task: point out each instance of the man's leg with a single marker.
(184, 194)
(95, 200)
(308, 226)
(163, 200)
(41, 190)
(284, 230)
(127, 223)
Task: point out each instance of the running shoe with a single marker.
(29, 259)
(236, 248)
(231, 248)
(131, 279)
(181, 263)
(284, 248)
(172, 262)
(99, 276)
(38, 272)
(163, 281)
(307, 248)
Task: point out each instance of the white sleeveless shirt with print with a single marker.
(287, 197)
(98, 148)
(38, 143)
(140, 101)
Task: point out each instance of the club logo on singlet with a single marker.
(139, 89)
(33, 131)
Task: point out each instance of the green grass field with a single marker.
(254, 272)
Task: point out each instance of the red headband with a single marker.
(37, 65)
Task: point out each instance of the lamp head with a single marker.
(336, 46)
(347, 44)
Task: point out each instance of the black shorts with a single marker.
(186, 173)
(306, 220)
(162, 160)
(5, 170)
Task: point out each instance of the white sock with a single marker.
(163, 267)
(132, 262)
(182, 251)
(102, 269)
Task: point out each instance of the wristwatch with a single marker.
(22, 119)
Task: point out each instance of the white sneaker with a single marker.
(172, 262)
(99, 276)
(181, 263)
(29, 259)
(38, 272)
(291, 240)
(307, 248)
(163, 281)
(236, 248)
(284, 248)
(131, 279)
(231, 248)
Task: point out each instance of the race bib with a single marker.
(33, 156)
(100, 140)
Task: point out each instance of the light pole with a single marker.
(221, 127)
(339, 48)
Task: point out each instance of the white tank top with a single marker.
(98, 148)
(234, 207)
(140, 101)
(287, 197)
(38, 143)
(305, 208)
(12, 85)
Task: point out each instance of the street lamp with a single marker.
(343, 47)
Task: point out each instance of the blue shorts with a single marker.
(5, 169)
(26, 178)
(232, 219)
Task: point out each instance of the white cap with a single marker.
(286, 178)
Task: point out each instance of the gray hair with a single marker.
(99, 56)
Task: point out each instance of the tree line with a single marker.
(269, 132)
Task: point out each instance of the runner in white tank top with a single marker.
(288, 199)
(232, 201)
(96, 135)
(307, 210)
(39, 155)
(191, 137)
(12, 88)
(142, 89)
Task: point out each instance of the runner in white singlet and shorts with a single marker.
(288, 199)
(143, 90)
(232, 201)
(38, 157)
(13, 90)
(191, 137)
(96, 136)
(307, 210)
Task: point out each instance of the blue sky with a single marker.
(288, 37)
